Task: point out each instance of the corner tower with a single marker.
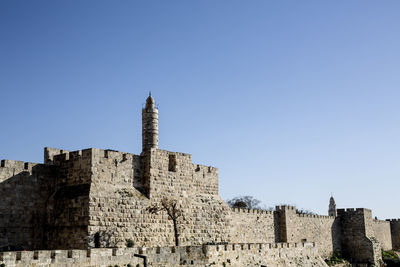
(332, 207)
(149, 125)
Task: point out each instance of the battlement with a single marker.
(393, 220)
(315, 216)
(17, 166)
(259, 246)
(49, 154)
(380, 221)
(256, 211)
(113, 154)
(166, 153)
(6, 163)
(205, 169)
(71, 155)
(67, 257)
(285, 207)
(111, 256)
(65, 155)
(352, 210)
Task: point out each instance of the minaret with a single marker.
(332, 207)
(149, 125)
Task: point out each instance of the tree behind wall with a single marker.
(244, 202)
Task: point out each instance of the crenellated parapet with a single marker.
(176, 169)
(285, 208)
(70, 156)
(393, 220)
(10, 168)
(252, 211)
(219, 255)
(315, 216)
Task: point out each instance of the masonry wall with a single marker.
(252, 226)
(395, 233)
(119, 198)
(206, 215)
(117, 204)
(99, 198)
(358, 242)
(382, 233)
(68, 206)
(272, 255)
(183, 177)
(324, 230)
(23, 194)
(244, 255)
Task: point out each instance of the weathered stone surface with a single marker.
(395, 233)
(235, 255)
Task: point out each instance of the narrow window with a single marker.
(172, 163)
(97, 240)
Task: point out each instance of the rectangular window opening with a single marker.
(172, 163)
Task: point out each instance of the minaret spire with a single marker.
(149, 124)
(332, 207)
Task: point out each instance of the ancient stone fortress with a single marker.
(82, 208)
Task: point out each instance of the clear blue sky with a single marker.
(291, 100)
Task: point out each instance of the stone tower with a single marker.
(149, 125)
(332, 207)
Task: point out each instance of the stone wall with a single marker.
(117, 204)
(173, 172)
(68, 207)
(252, 226)
(243, 255)
(99, 198)
(23, 194)
(272, 255)
(294, 227)
(395, 233)
(358, 242)
(173, 175)
(382, 233)
(119, 197)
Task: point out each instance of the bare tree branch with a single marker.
(173, 210)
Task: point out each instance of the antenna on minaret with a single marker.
(149, 93)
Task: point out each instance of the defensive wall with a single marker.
(359, 243)
(119, 191)
(237, 255)
(395, 232)
(294, 227)
(23, 194)
(250, 225)
(381, 230)
(96, 198)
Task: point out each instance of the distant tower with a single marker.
(332, 207)
(149, 125)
